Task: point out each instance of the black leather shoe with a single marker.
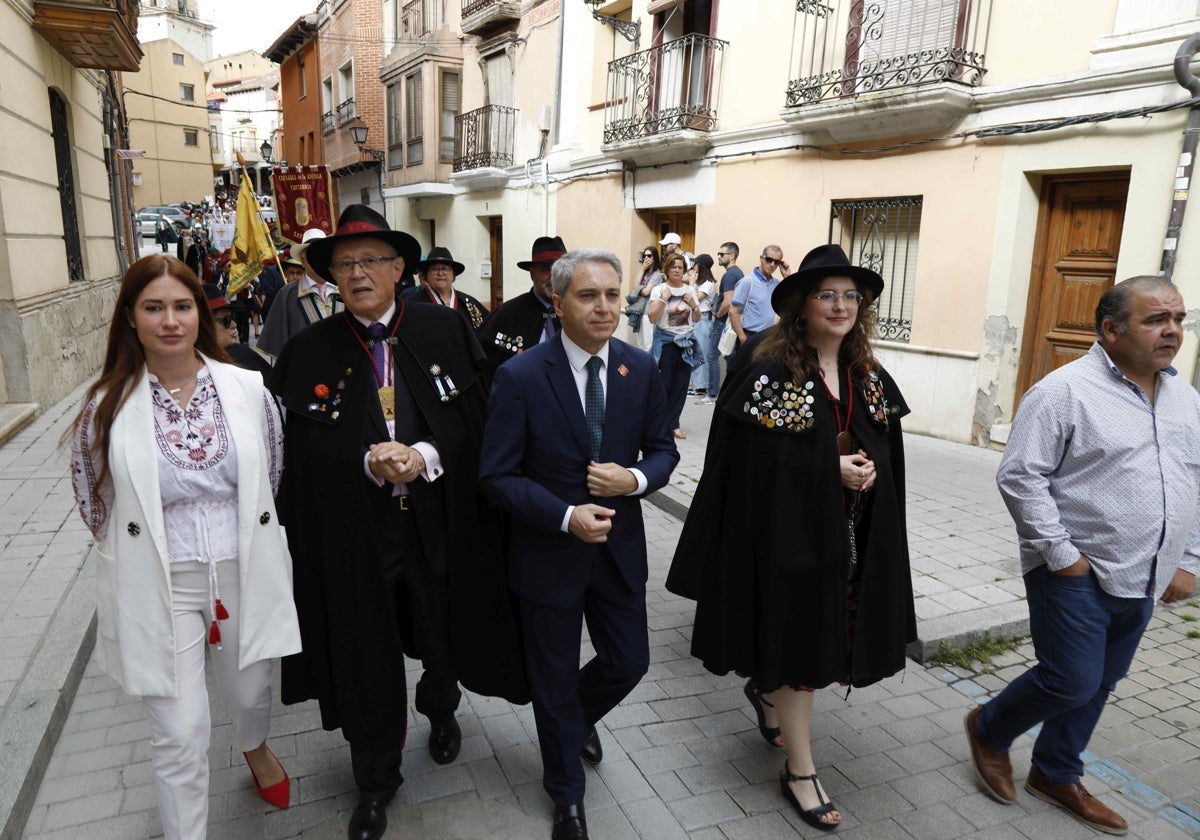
(592, 752)
(569, 823)
(445, 739)
(368, 820)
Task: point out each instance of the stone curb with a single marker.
(32, 722)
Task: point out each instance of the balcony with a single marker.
(665, 93)
(346, 111)
(480, 17)
(483, 146)
(420, 17)
(327, 125)
(885, 68)
(91, 34)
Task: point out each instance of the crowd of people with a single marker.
(464, 487)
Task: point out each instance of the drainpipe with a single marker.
(1187, 158)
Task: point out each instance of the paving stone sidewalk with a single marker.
(682, 755)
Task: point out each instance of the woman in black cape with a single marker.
(795, 546)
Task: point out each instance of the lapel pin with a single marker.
(624, 371)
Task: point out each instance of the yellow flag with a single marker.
(252, 247)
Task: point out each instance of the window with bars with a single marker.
(451, 87)
(395, 126)
(882, 234)
(414, 122)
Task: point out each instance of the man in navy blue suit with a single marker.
(576, 435)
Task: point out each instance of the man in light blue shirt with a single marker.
(750, 310)
(1102, 477)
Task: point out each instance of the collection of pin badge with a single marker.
(787, 407)
(324, 403)
(445, 385)
(513, 344)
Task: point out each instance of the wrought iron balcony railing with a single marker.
(346, 111)
(420, 17)
(665, 88)
(470, 7)
(327, 122)
(484, 137)
(847, 48)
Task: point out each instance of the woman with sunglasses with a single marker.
(651, 276)
(795, 545)
(176, 458)
(242, 355)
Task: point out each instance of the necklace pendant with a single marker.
(845, 443)
(387, 401)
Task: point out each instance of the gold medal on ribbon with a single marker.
(845, 440)
(387, 401)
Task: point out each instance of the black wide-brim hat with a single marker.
(546, 249)
(358, 221)
(443, 256)
(819, 263)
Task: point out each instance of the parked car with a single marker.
(173, 215)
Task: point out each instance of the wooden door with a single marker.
(681, 220)
(1074, 262)
(496, 237)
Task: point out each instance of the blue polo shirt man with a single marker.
(751, 309)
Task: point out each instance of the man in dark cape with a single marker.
(529, 319)
(373, 564)
(437, 272)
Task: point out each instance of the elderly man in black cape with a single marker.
(385, 406)
(529, 319)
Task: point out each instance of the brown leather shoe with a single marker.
(1076, 801)
(992, 766)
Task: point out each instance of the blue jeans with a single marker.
(712, 358)
(1084, 640)
(675, 374)
(701, 329)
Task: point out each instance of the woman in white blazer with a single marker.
(176, 460)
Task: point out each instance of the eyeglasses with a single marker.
(368, 264)
(828, 297)
(225, 320)
(771, 260)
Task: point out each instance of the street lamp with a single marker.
(358, 133)
(265, 150)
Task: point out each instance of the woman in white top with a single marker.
(176, 458)
(673, 310)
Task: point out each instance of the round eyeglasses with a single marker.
(829, 297)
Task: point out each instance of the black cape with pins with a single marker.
(765, 550)
(513, 328)
(352, 660)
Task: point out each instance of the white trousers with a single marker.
(180, 727)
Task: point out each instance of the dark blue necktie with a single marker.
(593, 406)
(376, 331)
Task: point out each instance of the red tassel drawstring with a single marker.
(214, 634)
(220, 611)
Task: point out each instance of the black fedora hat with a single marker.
(359, 220)
(546, 249)
(819, 263)
(443, 256)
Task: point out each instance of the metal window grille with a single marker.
(420, 17)
(346, 111)
(414, 119)
(845, 48)
(484, 137)
(327, 122)
(670, 87)
(470, 7)
(61, 135)
(882, 234)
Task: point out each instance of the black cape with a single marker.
(765, 550)
(513, 328)
(467, 306)
(352, 661)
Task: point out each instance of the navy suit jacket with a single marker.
(535, 457)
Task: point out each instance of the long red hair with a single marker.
(125, 359)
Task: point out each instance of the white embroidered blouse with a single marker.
(197, 471)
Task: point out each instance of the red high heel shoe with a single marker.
(277, 794)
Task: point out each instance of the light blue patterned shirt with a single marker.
(1093, 468)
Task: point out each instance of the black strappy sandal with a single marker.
(813, 815)
(771, 734)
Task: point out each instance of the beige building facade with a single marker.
(1000, 163)
(169, 121)
(64, 233)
